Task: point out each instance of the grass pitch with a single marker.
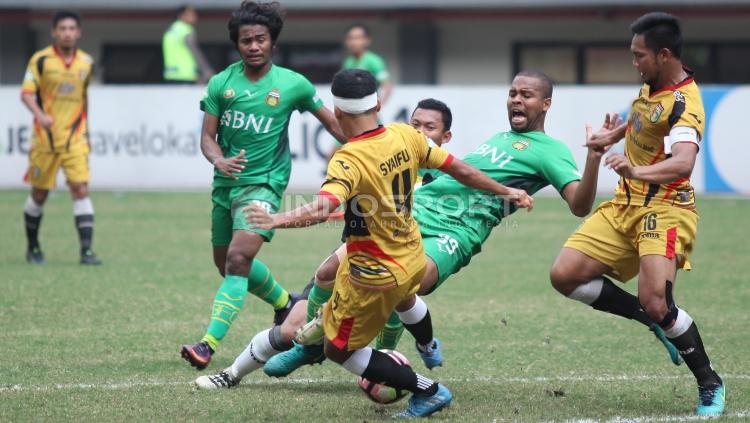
(102, 344)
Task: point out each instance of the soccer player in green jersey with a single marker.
(455, 221)
(245, 137)
(357, 42)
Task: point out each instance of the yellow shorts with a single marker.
(354, 316)
(43, 167)
(618, 235)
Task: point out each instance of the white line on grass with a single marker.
(654, 419)
(264, 381)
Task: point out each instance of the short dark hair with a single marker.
(269, 15)
(660, 30)
(547, 83)
(438, 106)
(353, 83)
(65, 14)
(360, 25)
(181, 9)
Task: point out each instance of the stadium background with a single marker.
(461, 52)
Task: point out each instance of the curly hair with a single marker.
(269, 15)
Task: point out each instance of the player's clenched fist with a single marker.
(521, 199)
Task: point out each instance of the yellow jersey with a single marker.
(61, 90)
(652, 117)
(374, 174)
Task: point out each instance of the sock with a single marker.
(254, 356)
(83, 211)
(603, 295)
(315, 299)
(418, 322)
(379, 367)
(390, 334)
(261, 283)
(684, 335)
(227, 305)
(277, 340)
(32, 216)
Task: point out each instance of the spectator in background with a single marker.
(357, 44)
(184, 63)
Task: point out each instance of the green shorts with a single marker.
(448, 242)
(226, 215)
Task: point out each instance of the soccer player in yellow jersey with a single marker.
(649, 228)
(374, 175)
(55, 91)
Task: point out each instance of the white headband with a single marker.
(356, 105)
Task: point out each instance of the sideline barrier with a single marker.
(147, 137)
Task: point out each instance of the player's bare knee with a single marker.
(39, 195)
(562, 279)
(406, 304)
(79, 190)
(334, 354)
(238, 262)
(655, 307)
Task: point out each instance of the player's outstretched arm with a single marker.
(580, 195)
(473, 177)
(307, 215)
(328, 120)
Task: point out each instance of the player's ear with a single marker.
(447, 135)
(546, 104)
(377, 106)
(337, 112)
(664, 55)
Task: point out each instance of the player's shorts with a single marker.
(448, 242)
(226, 216)
(354, 315)
(618, 235)
(43, 167)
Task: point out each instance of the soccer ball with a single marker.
(381, 393)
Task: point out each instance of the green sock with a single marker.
(227, 305)
(315, 299)
(261, 283)
(390, 335)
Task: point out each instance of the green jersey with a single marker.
(370, 62)
(255, 117)
(528, 161)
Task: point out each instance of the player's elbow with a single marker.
(580, 210)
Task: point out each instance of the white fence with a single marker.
(147, 138)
